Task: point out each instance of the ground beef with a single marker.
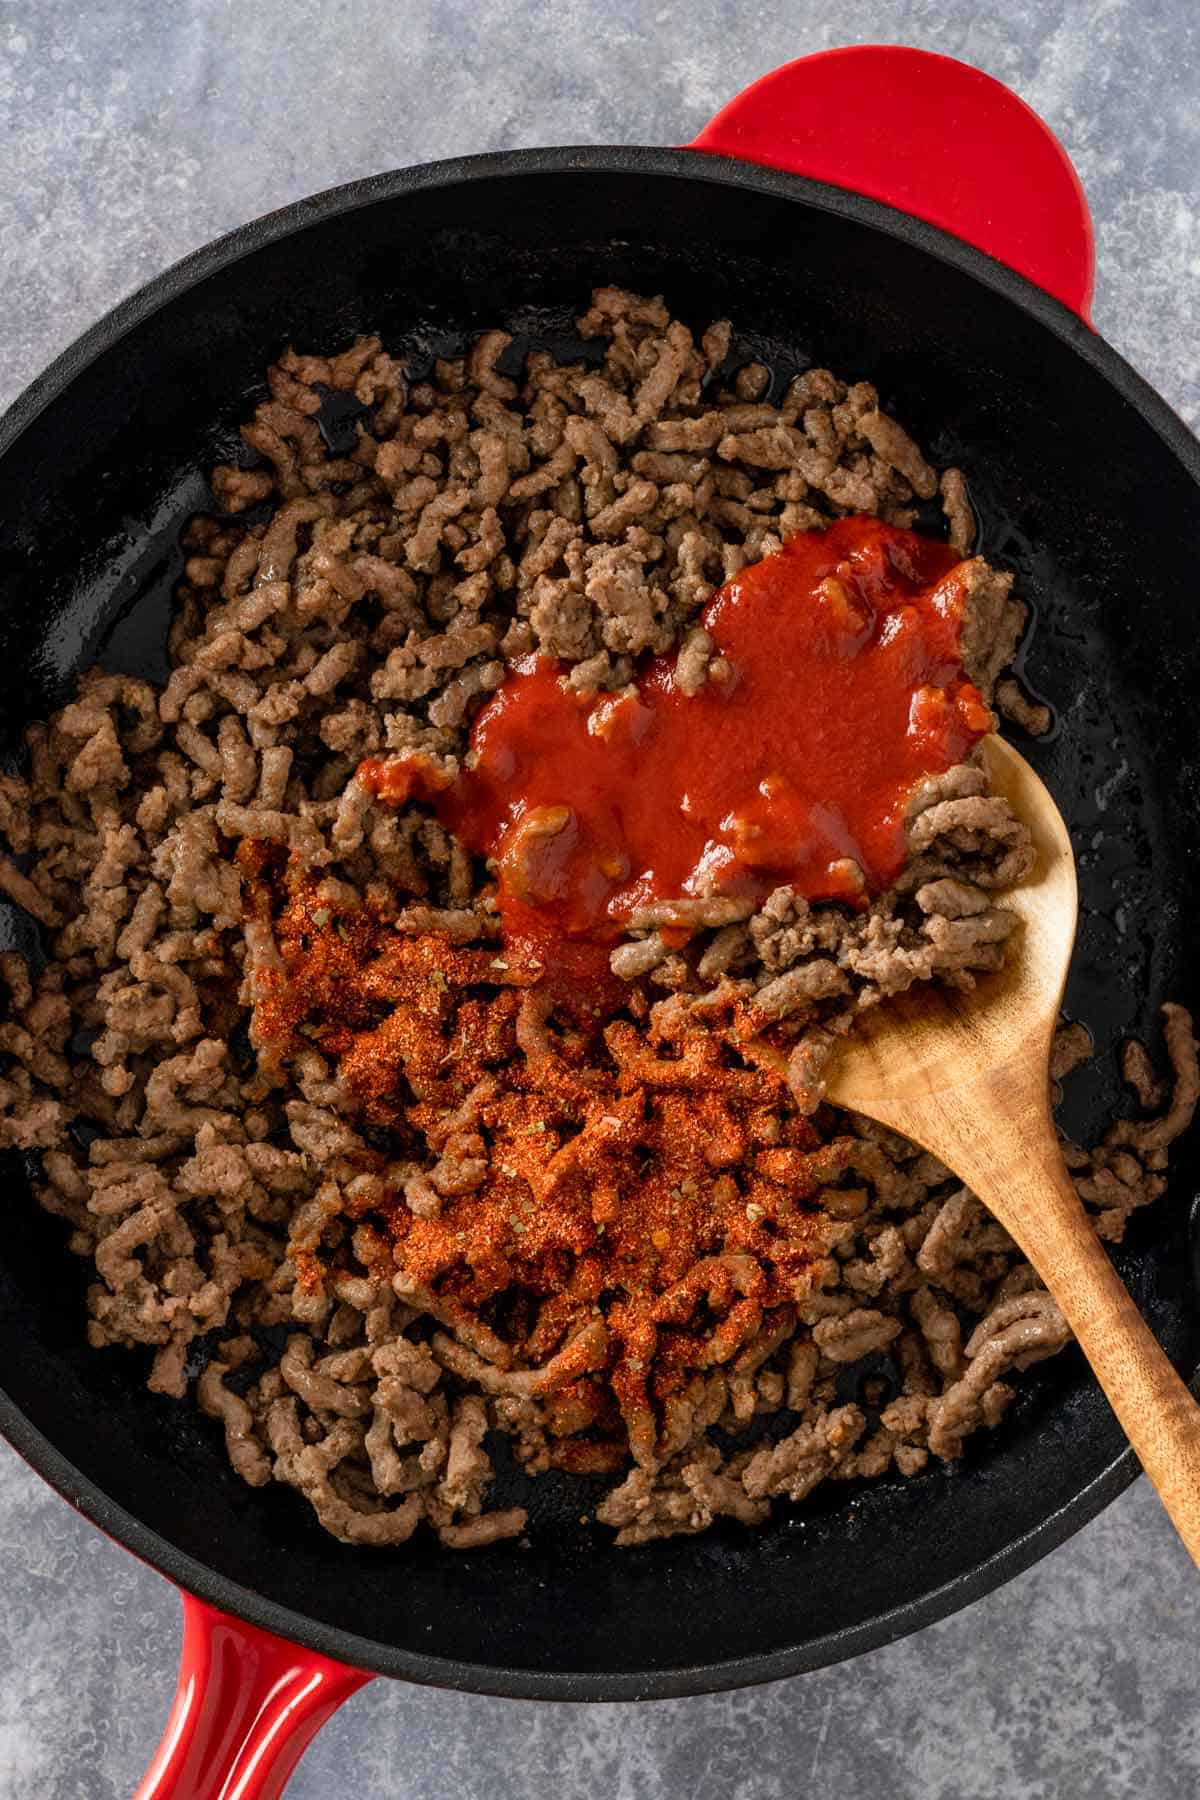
(230, 1189)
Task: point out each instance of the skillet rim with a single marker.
(185, 1571)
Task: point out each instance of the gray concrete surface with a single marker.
(130, 132)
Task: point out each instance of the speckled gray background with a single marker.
(130, 132)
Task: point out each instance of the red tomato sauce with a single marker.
(838, 687)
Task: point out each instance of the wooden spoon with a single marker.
(967, 1077)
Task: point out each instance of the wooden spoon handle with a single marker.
(1158, 1414)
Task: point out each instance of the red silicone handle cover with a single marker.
(247, 1705)
(932, 137)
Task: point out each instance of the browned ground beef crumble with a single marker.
(343, 606)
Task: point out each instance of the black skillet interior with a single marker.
(1098, 511)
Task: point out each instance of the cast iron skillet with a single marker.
(1085, 483)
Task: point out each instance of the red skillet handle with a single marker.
(247, 1706)
(932, 137)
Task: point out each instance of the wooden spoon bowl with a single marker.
(966, 1076)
